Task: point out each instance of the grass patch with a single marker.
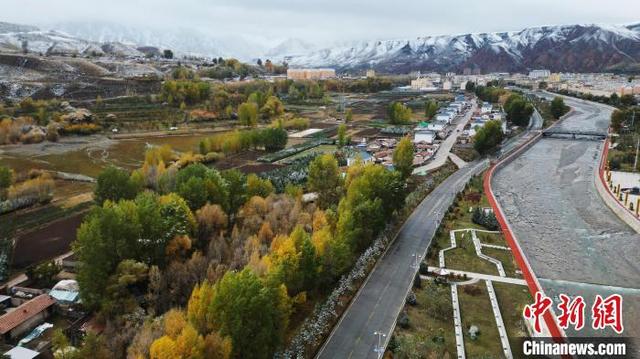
(475, 309)
(512, 299)
(428, 335)
(464, 257)
(508, 263)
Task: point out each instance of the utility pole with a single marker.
(635, 162)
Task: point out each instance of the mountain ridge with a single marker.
(571, 48)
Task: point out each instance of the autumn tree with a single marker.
(272, 108)
(257, 186)
(324, 178)
(403, 157)
(248, 114)
(137, 230)
(293, 261)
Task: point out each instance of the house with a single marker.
(444, 117)
(362, 155)
(486, 107)
(437, 126)
(21, 353)
(66, 292)
(26, 316)
(425, 136)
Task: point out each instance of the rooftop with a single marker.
(24, 312)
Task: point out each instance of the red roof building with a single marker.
(26, 316)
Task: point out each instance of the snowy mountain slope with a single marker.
(579, 48)
(180, 40)
(20, 37)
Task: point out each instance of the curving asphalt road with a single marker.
(382, 296)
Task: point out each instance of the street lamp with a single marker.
(379, 348)
(416, 260)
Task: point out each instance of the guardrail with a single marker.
(609, 198)
(532, 281)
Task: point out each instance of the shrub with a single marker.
(81, 129)
(411, 299)
(403, 320)
(424, 268)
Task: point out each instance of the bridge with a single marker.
(586, 135)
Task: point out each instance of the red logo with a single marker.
(572, 312)
(607, 313)
(537, 309)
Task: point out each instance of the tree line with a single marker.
(203, 263)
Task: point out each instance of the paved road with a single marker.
(441, 155)
(376, 306)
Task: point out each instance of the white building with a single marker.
(422, 84)
(424, 136)
(539, 74)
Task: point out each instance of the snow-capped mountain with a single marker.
(182, 41)
(575, 48)
(14, 38)
(289, 48)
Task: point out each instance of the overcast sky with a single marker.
(327, 20)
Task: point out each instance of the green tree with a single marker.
(488, 137)
(248, 114)
(237, 190)
(558, 107)
(617, 120)
(398, 113)
(403, 157)
(324, 178)
(293, 93)
(348, 116)
(139, 230)
(430, 109)
(372, 197)
(252, 314)
(342, 135)
(518, 110)
(274, 139)
(114, 184)
(470, 86)
(44, 274)
(193, 191)
(198, 184)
